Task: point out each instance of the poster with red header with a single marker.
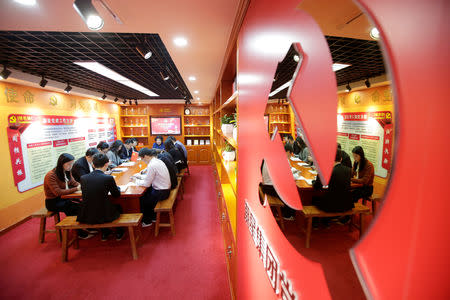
(35, 143)
(373, 132)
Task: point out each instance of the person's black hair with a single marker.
(100, 160)
(102, 146)
(288, 148)
(134, 140)
(59, 170)
(91, 151)
(129, 141)
(171, 138)
(289, 136)
(338, 156)
(159, 137)
(360, 151)
(339, 146)
(168, 144)
(301, 143)
(147, 152)
(115, 146)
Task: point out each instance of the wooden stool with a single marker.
(43, 214)
(166, 206)
(276, 203)
(374, 198)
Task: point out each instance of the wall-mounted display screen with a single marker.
(165, 125)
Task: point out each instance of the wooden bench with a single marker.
(312, 211)
(276, 203)
(167, 206)
(373, 199)
(181, 175)
(70, 223)
(43, 214)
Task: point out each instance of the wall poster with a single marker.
(35, 143)
(373, 131)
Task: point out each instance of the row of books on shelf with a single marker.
(190, 142)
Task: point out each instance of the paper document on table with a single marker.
(128, 164)
(118, 170)
(302, 164)
(293, 158)
(77, 192)
(313, 172)
(308, 181)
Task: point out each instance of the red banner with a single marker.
(15, 151)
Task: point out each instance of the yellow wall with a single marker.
(18, 99)
(367, 100)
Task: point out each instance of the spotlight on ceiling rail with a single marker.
(124, 101)
(68, 88)
(367, 83)
(104, 96)
(374, 33)
(348, 88)
(144, 50)
(135, 101)
(89, 14)
(116, 99)
(5, 73)
(164, 76)
(130, 102)
(43, 82)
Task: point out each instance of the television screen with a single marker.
(165, 125)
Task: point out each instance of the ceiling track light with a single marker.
(144, 50)
(296, 58)
(130, 102)
(68, 88)
(164, 77)
(135, 101)
(367, 83)
(124, 101)
(348, 88)
(89, 14)
(116, 99)
(104, 96)
(5, 73)
(43, 82)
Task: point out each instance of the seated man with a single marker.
(157, 179)
(179, 145)
(83, 165)
(167, 159)
(127, 150)
(96, 207)
(103, 147)
(345, 157)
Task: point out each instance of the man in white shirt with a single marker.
(157, 179)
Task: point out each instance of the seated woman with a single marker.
(363, 173)
(114, 154)
(177, 155)
(303, 151)
(103, 147)
(59, 182)
(158, 144)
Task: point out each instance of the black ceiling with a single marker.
(364, 56)
(53, 54)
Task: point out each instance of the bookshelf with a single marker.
(197, 134)
(281, 116)
(134, 123)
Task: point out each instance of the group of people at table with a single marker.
(90, 175)
(348, 183)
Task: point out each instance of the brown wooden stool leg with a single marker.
(172, 222)
(76, 245)
(64, 245)
(308, 231)
(42, 229)
(158, 219)
(132, 242)
(58, 232)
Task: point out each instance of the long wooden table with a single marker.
(129, 200)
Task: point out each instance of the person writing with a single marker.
(127, 150)
(96, 207)
(345, 157)
(83, 165)
(113, 154)
(58, 182)
(363, 173)
(157, 179)
(103, 147)
(179, 145)
(304, 154)
(158, 144)
(167, 159)
(177, 155)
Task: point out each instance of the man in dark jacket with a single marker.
(167, 159)
(345, 157)
(127, 150)
(337, 198)
(83, 165)
(96, 207)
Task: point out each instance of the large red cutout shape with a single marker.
(405, 254)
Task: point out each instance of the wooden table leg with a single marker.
(42, 229)
(172, 222)
(308, 231)
(76, 245)
(58, 232)
(133, 242)
(64, 245)
(158, 220)
(280, 217)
